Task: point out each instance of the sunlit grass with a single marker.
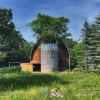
(17, 85)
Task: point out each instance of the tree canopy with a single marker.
(49, 28)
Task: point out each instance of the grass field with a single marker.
(17, 85)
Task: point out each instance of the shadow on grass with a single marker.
(7, 70)
(25, 80)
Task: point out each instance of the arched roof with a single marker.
(39, 42)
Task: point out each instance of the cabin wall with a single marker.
(63, 57)
(27, 67)
(49, 57)
(36, 57)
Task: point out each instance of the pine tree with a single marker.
(97, 37)
(89, 42)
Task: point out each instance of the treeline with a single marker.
(14, 48)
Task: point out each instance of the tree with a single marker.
(91, 40)
(78, 54)
(70, 43)
(97, 38)
(10, 39)
(2, 56)
(26, 51)
(86, 30)
(48, 28)
(8, 34)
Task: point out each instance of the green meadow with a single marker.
(17, 85)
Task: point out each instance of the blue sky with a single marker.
(76, 10)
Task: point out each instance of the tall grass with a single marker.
(17, 85)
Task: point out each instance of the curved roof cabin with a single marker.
(47, 57)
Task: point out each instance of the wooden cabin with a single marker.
(47, 57)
